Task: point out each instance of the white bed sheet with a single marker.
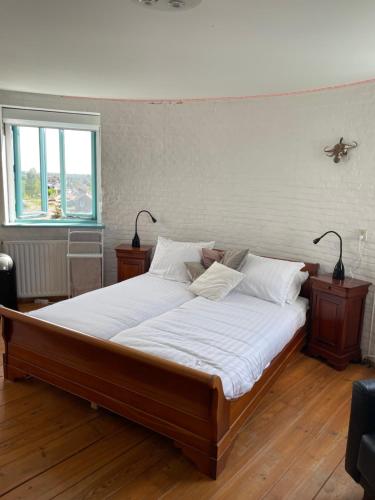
(107, 311)
(236, 338)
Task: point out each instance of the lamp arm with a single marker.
(138, 214)
(337, 234)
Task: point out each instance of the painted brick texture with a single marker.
(244, 173)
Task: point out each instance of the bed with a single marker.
(107, 311)
(200, 405)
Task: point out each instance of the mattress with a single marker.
(110, 310)
(236, 338)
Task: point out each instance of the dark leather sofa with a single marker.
(360, 451)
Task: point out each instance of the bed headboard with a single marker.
(313, 271)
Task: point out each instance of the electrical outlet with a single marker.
(363, 235)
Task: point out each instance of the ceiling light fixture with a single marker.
(171, 5)
(177, 3)
(148, 3)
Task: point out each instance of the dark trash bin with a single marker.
(8, 289)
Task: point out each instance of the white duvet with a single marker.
(107, 311)
(235, 338)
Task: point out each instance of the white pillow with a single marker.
(295, 287)
(170, 256)
(216, 282)
(269, 279)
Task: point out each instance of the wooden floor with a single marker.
(52, 445)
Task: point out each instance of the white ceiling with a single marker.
(115, 48)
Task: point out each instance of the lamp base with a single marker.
(339, 271)
(135, 242)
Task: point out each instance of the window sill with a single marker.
(54, 224)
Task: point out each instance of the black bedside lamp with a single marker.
(339, 270)
(136, 243)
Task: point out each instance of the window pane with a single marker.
(29, 164)
(53, 173)
(78, 176)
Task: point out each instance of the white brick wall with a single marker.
(245, 173)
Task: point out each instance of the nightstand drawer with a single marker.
(330, 288)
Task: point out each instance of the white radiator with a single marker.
(41, 267)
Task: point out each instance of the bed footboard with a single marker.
(180, 403)
(183, 404)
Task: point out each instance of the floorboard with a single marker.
(337, 486)
(53, 445)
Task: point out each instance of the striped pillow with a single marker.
(268, 279)
(170, 256)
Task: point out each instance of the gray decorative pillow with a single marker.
(194, 270)
(209, 256)
(234, 258)
(229, 258)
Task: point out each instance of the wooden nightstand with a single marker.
(337, 315)
(131, 261)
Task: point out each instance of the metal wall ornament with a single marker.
(339, 150)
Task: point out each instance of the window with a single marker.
(54, 173)
(52, 167)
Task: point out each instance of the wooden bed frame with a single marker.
(183, 404)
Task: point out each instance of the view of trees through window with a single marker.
(53, 173)
(30, 169)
